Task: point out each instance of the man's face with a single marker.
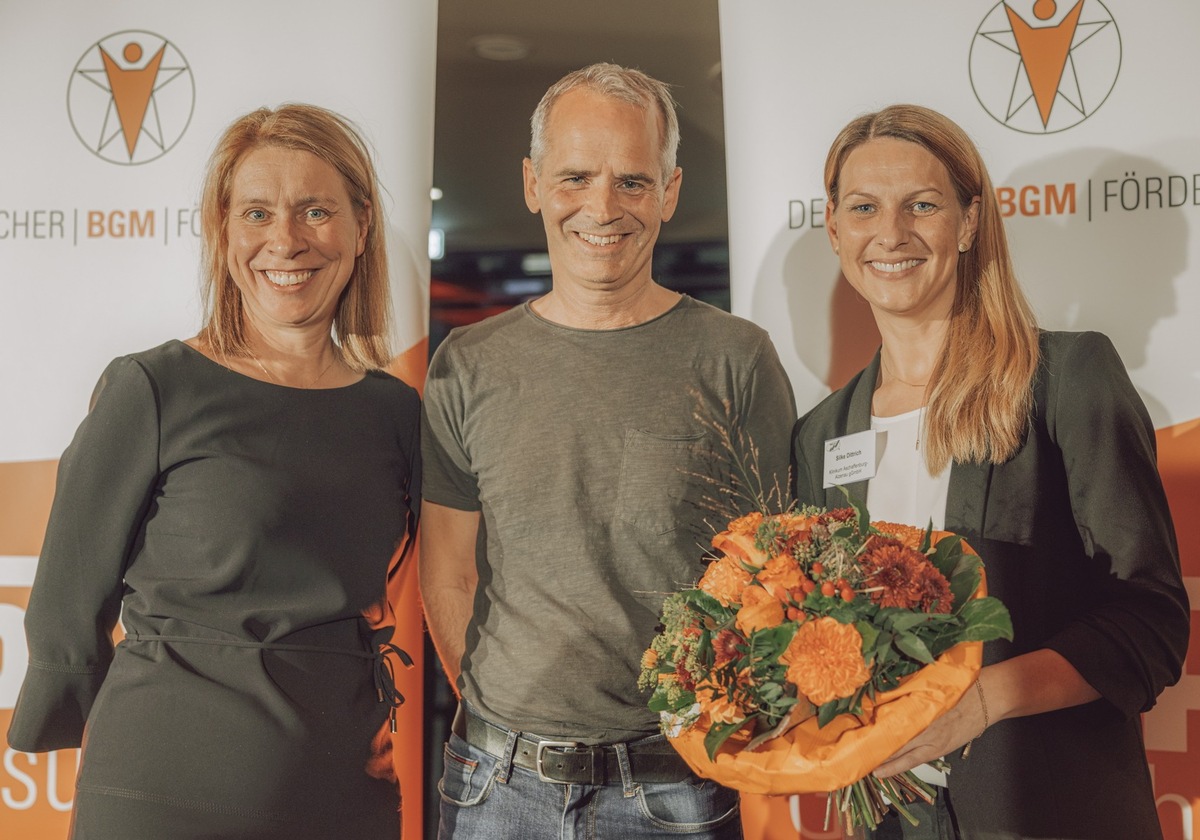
(601, 191)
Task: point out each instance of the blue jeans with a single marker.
(482, 798)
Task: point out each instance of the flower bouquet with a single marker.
(815, 645)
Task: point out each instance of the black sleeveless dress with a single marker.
(243, 532)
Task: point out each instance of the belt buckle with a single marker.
(541, 749)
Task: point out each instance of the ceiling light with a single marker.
(500, 47)
(537, 263)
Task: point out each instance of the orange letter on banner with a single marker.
(1060, 204)
(1030, 207)
(140, 225)
(1005, 196)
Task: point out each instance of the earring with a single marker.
(962, 247)
(835, 249)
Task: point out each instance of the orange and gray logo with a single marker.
(130, 97)
(1041, 66)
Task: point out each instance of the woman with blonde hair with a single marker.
(1033, 445)
(238, 500)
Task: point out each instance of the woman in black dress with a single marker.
(237, 501)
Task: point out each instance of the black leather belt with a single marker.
(572, 763)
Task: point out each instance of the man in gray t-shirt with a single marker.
(573, 454)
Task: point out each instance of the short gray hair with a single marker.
(623, 83)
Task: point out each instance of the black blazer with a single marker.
(1078, 543)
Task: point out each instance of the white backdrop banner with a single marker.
(1080, 111)
(111, 110)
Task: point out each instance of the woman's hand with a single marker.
(965, 721)
(1030, 684)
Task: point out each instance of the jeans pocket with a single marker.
(661, 481)
(468, 774)
(696, 805)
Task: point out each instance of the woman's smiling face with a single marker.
(898, 229)
(294, 234)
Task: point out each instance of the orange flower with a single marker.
(792, 523)
(824, 660)
(649, 659)
(738, 539)
(724, 579)
(793, 530)
(906, 534)
(760, 610)
(715, 700)
(746, 525)
(740, 547)
(898, 576)
(780, 574)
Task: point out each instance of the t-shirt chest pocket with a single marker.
(662, 482)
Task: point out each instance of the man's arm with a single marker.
(448, 577)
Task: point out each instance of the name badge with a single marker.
(850, 458)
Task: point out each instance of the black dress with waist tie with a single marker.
(243, 532)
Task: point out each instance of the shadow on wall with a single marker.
(1096, 243)
(833, 333)
(1110, 265)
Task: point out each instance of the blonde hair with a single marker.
(624, 84)
(362, 321)
(981, 393)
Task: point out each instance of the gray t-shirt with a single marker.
(587, 451)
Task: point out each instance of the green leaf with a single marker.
(926, 538)
(986, 619)
(965, 580)
(770, 643)
(947, 554)
(828, 712)
(717, 735)
(904, 620)
(947, 638)
(914, 647)
(843, 612)
(658, 702)
(860, 510)
(700, 601)
(869, 633)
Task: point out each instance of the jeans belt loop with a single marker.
(506, 760)
(628, 788)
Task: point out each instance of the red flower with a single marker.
(898, 576)
(725, 647)
(836, 515)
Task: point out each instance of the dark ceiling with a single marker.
(483, 106)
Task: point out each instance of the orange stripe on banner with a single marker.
(408, 744)
(409, 741)
(411, 364)
(1173, 726)
(1179, 464)
(26, 490)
